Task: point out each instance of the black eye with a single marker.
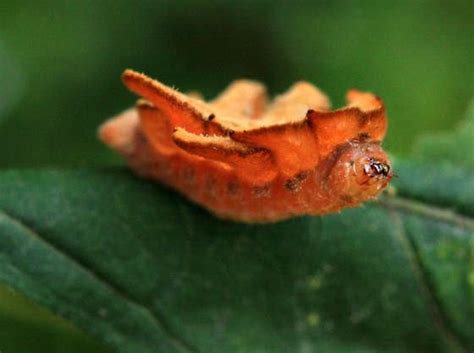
(375, 168)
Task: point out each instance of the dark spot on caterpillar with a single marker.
(307, 120)
(211, 117)
(361, 138)
(189, 175)
(294, 183)
(347, 198)
(210, 186)
(233, 188)
(261, 191)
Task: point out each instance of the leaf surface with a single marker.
(455, 147)
(142, 270)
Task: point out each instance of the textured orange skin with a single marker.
(316, 165)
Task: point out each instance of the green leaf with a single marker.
(26, 327)
(455, 147)
(142, 270)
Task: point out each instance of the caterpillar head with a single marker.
(359, 171)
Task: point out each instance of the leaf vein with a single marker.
(425, 286)
(157, 318)
(439, 214)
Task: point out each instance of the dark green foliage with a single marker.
(142, 270)
(64, 62)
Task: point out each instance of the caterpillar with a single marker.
(249, 160)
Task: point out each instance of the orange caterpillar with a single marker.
(252, 161)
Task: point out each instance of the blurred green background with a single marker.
(60, 66)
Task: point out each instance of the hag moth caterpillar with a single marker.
(248, 160)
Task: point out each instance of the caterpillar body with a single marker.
(249, 160)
